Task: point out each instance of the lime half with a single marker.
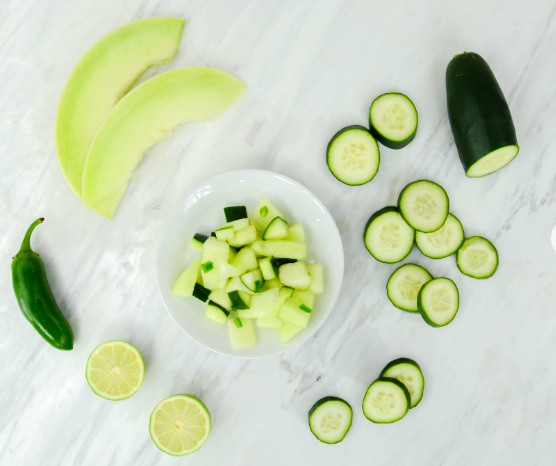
(180, 425)
(115, 370)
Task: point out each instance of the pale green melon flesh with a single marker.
(101, 78)
(145, 116)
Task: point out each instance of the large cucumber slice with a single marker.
(424, 205)
(408, 372)
(388, 237)
(404, 284)
(330, 419)
(477, 258)
(438, 301)
(443, 242)
(386, 401)
(353, 155)
(393, 120)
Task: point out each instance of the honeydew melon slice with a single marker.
(145, 116)
(101, 78)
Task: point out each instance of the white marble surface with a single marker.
(312, 67)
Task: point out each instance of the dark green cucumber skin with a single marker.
(431, 182)
(223, 309)
(320, 403)
(237, 302)
(424, 314)
(235, 213)
(377, 214)
(384, 140)
(200, 237)
(201, 293)
(277, 262)
(343, 130)
(446, 255)
(399, 384)
(411, 362)
(416, 311)
(472, 276)
(479, 115)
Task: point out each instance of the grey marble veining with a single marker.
(312, 68)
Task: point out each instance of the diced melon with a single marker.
(243, 237)
(262, 305)
(235, 284)
(245, 260)
(212, 279)
(296, 233)
(270, 322)
(224, 234)
(217, 247)
(281, 249)
(244, 336)
(183, 286)
(267, 268)
(288, 331)
(292, 310)
(295, 275)
(273, 283)
(263, 214)
(317, 278)
(237, 224)
(221, 297)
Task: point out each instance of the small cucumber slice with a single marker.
(443, 242)
(408, 372)
(239, 299)
(353, 155)
(184, 285)
(438, 301)
(216, 313)
(253, 280)
(295, 275)
(330, 419)
(277, 229)
(424, 205)
(477, 258)
(201, 293)
(197, 242)
(393, 120)
(221, 298)
(404, 284)
(235, 213)
(386, 401)
(267, 268)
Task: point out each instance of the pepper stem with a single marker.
(26, 244)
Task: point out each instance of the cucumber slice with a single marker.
(424, 205)
(317, 278)
(235, 213)
(393, 120)
(295, 275)
(330, 419)
(184, 285)
(273, 323)
(243, 237)
(353, 155)
(245, 260)
(225, 234)
(221, 298)
(477, 258)
(263, 214)
(216, 313)
(288, 331)
(201, 293)
(239, 299)
(219, 248)
(277, 229)
(243, 336)
(409, 373)
(267, 268)
(386, 401)
(281, 249)
(207, 266)
(262, 305)
(443, 242)
(296, 232)
(388, 237)
(438, 301)
(253, 280)
(297, 310)
(197, 242)
(404, 284)
(237, 224)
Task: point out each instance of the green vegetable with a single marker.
(238, 323)
(264, 211)
(207, 266)
(393, 120)
(35, 297)
(305, 308)
(235, 213)
(330, 419)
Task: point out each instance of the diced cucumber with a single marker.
(297, 310)
(388, 237)
(404, 284)
(197, 242)
(281, 249)
(253, 280)
(286, 292)
(267, 268)
(263, 214)
(353, 155)
(288, 331)
(270, 322)
(409, 373)
(443, 242)
(244, 336)
(184, 285)
(225, 234)
(235, 213)
(237, 224)
(295, 275)
(330, 419)
(219, 248)
(424, 205)
(277, 229)
(317, 278)
(201, 293)
(393, 120)
(272, 283)
(238, 322)
(243, 237)
(245, 260)
(236, 284)
(281, 261)
(477, 258)
(221, 298)
(296, 232)
(239, 299)
(207, 266)
(386, 401)
(262, 305)
(216, 313)
(438, 301)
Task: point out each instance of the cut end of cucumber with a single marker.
(493, 162)
(438, 301)
(386, 401)
(330, 419)
(424, 205)
(443, 242)
(477, 258)
(404, 284)
(393, 120)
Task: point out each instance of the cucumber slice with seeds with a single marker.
(393, 120)
(388, 237)
(235, 213)
(438, 301)
(424, 205)
(404, 284)
(330, 419)
(277, 229)
(443, 242)
(409, 373)
(477, 258)
(353, 155)
(386, 401)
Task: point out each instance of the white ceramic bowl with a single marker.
(201, 211)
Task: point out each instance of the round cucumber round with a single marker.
(408, 372)
(424, 205)
(393, 120)
(443, 242)
(353, 155)
(404, 284)
(477, 258)
(330, 419)
(386, 401)
(438, 301)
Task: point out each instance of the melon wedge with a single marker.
(101, 78)
(145, 116)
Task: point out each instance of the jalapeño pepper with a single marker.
(35, 297)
